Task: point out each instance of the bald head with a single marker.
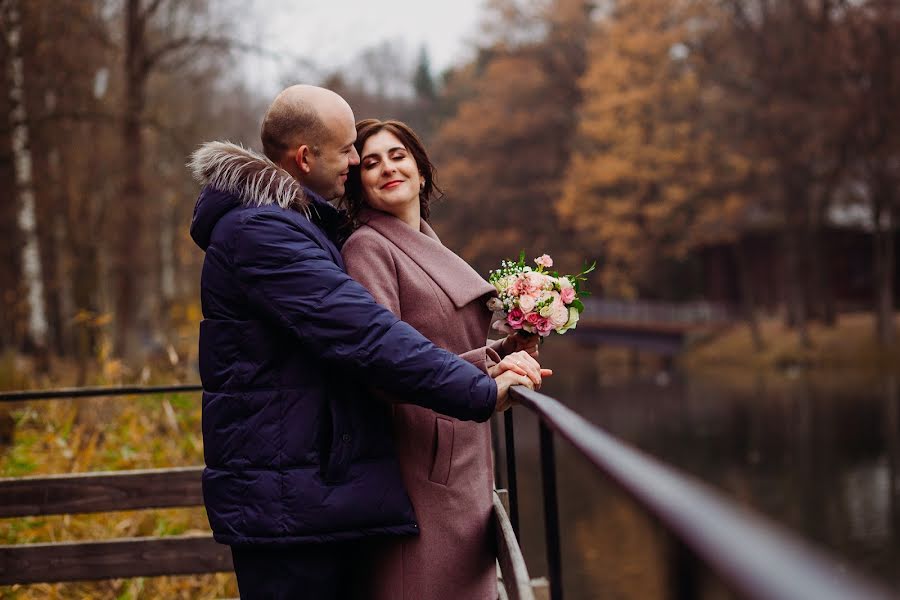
(309, 132)
(302, 115)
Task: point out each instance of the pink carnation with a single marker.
(544, 260)
(515, 318)
(543, 326)
(567, 295)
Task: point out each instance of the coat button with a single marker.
(346, 437)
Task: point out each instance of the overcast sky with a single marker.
(332, 33)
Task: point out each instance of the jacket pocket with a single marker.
(443, 451)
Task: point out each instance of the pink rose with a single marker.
(535, 282)
(567, 295)
(533, 318)
(544, 260)
(526, 303)
(515, 318)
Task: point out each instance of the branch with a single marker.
(160, 53)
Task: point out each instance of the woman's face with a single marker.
(389, 174)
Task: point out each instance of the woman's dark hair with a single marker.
(353, 201)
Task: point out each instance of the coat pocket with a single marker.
(443, 451)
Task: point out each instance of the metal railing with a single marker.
(753, 557)
(650, 311)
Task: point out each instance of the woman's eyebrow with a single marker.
(375, 154)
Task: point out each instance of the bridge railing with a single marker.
(709, 533)
(647, 311)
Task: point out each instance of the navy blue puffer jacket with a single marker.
(297, 449)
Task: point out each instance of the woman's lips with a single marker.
(391, 184)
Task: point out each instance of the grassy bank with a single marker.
(849, 345)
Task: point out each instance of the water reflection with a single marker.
(820, 455)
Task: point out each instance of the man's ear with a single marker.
(303, 157)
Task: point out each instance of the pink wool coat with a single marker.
(446, 464)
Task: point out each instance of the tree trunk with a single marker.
(167, 285)
(32, 273)
(748, 301)
(821, 294)
(883, 246)
(129, 247)
(796, 304)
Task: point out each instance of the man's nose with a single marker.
(354, 156)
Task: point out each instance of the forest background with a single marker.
(641, 133)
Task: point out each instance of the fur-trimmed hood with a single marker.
(234, 176)
(252, 178)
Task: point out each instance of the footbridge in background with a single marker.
(649, 326)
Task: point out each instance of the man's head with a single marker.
(309, 131)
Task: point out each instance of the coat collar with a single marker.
(452, 274)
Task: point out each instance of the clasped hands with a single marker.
(518, 367)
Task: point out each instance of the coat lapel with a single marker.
(451, 273)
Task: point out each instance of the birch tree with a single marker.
(27, 221)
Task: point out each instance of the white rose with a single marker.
(526, 303)
(495, 304)
(564, 283)
(573, 320)
(559, 316)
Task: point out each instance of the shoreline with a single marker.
(849, 345)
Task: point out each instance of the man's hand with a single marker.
(506, 380)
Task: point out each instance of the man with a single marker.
(299, 461)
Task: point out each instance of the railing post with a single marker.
(683, 571)
(511, 472)
(495, 444)
(551, 512)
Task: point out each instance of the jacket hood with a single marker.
(235, 176)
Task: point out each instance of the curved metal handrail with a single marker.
(752, 555)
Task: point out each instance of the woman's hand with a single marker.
(523, 363)
(516, 342)
(506, 380)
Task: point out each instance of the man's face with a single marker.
(329, 169)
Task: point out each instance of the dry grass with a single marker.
(100, 435)
(850, 345)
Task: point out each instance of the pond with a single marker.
(817, 453)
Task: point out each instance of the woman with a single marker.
(446, 464)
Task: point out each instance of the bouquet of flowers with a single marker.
(536, 301)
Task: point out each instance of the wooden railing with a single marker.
(105, 492)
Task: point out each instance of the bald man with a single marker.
(300, 470)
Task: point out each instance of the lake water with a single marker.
(819, 454)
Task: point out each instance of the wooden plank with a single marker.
(100, 492)
(513, 571)
(135, 557)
